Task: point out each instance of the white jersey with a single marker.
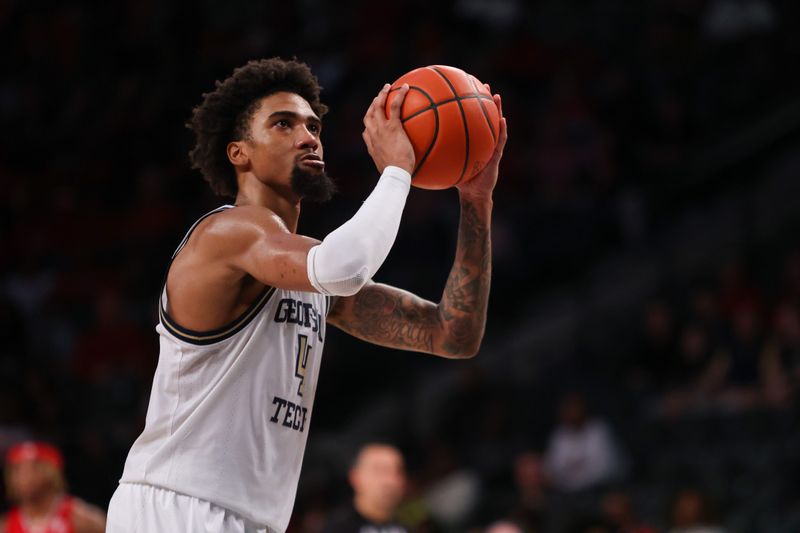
(230, 409)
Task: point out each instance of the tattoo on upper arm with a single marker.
(391, 317)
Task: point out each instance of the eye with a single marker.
(314, 128)
(282, 123)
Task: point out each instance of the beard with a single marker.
(312, 186)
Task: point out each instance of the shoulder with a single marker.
(242, 219)
(235, 228)
(87, 518)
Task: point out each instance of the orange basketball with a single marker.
(452, 122)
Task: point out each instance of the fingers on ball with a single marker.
(397, 103)
(380, 101)
(501, 141)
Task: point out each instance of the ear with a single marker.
(237, 153)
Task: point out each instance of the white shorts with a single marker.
(137, 508)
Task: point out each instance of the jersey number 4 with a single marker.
(303, 347)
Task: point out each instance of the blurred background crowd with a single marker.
(641, 366)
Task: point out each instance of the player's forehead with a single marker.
(25, 465)
(285, 102)
(377, 454)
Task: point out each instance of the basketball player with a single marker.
(246, 300)
(35, 484)
(378, 478)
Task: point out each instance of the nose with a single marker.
(307, 140)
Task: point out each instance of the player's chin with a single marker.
(312, 183)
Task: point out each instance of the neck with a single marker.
(39, 506)
(372, 511)
(284, 203)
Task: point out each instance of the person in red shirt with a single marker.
(35, 484)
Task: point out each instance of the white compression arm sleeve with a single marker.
(351, 254)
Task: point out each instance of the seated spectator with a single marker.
(618, 510)
(650, 365)
(522, 500)
(691, 513)
(378, 478)
(581, 453)
(530, 481)
(589, 523)
(504, 526)
(35, 484)
(697, 376)
(742, 368)
(781, 358)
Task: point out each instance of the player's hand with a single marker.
(386, 139)
(482, 184)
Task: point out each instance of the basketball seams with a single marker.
(485, 113)
(447, 85)
(432, 107)
(448, 101)
(463, 122)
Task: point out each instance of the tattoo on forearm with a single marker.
(391, 317)
(462, 334)
(462, 293)
(466, 294)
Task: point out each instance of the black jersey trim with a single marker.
(219, 334)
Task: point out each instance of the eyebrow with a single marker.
(296, 116)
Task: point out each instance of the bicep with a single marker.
(279, 260)
(389, 317)
(258, 243)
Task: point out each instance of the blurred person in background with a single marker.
(36, 485)
(378, 479)
(618, 510)
(581, 453)
(590, 523)
(504, 526)
(649, 365)
(697, 375)
(452, 488)
(741, 364)
(691, 512)
(530, 508)
(781, 357)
